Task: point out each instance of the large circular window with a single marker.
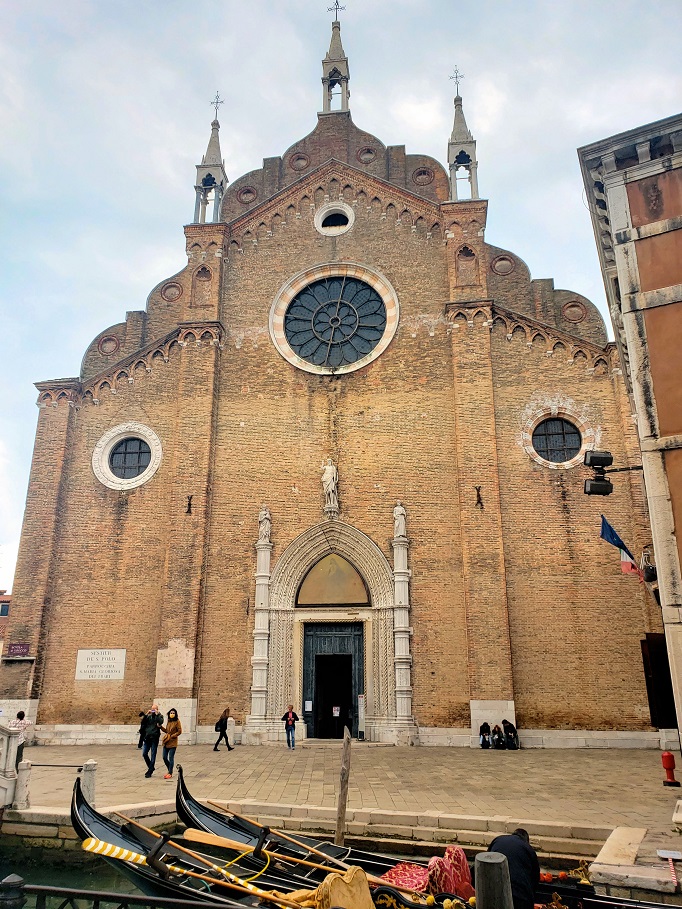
(335, 322)
(334, 318)
(127, 456)
(556, 440)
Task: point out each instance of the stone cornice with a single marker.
(532, 329)
(361, 179)
(77, 392)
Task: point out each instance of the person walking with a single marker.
(221, 729)
(289, 719)
(524, 867)
(21, 723)
(150, 732)
(172, 730)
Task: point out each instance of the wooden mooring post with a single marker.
(493, 887)
(343, 789)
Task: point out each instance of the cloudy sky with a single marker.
(104, 111)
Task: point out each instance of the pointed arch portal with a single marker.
(331, 623)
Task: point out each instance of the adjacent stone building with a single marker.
(634, 185)
(336, 461)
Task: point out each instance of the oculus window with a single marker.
(130, 458)
(557, 440)
(334, 318)
(335, 322)
(127, 456)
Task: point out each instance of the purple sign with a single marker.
(18, 650)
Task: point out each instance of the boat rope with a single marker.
(243, 855)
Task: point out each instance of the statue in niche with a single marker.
(330, 479)
(399, 521)
(264, 525)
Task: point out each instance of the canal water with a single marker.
(36, 867)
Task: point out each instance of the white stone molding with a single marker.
(401, 634)
(332, 270)
(333, 208)
(102, 451)
(562, 409)
(261, 639)
(280, 626)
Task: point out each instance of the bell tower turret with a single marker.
(211, 177)
(462, 151)
(335, 70)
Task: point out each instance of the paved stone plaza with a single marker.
(592, 787)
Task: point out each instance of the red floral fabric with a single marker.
(405, 874)
(449, 874)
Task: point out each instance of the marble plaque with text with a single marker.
(100, 665)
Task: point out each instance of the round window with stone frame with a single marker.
(558, 438)
(334, 319)
(127, 456)
(334, 219)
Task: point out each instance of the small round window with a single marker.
(127, 456)
(556, 440)
(130, 458)
(334, 218)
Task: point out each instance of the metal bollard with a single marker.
(88, 781)
(668, 761)
(12, 892)
(493, 887)
(22, 798)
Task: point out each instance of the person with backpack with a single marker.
(289, 719)
(221, 729)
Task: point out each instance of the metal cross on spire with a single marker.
(217, 101)
(457, 77)
(335, 9)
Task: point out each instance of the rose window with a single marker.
(335, 322)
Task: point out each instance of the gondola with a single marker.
(193, 813)
(154, 880)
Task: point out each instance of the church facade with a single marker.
(336, 462)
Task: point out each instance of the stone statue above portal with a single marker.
(330, 480)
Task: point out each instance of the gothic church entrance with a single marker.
(333, 651)
(333, 677)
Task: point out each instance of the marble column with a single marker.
(261, 634)
(402, 632)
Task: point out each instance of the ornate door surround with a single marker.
(278, 631)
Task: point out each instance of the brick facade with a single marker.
(513, 599)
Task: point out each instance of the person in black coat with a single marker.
(511, 736)
(524, 867)
(150, 733)
(484, 735)
(221, 729)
